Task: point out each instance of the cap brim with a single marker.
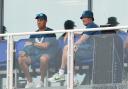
(81, 17)
(86, 17)
(113, 23)
(40, 18)
(37, 17)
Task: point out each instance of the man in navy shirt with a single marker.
(39, 48)
(87, 18)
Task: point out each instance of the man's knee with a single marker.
(44, 59)
(65, 49)
(22, 58)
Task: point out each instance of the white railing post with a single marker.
(8, 53)
(9, 82)
(70, 53)
(70, 61)
(11, 60)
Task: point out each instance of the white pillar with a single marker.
(10, 51)
(90, 5)
(1, 14)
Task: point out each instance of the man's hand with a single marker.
(27, 43)
(75, 47)
(126, 42)
(126, 45)
(45, 45)
(41, 45)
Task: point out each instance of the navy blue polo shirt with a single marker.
(36, 52)
(92, 25)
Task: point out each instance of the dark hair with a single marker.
(69, 24)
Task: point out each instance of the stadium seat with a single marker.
(19, 45)
(3, 54)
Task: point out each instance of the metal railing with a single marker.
(70, 64)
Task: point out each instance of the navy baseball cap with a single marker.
(41, 16)
(87, 14)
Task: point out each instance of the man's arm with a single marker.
(82, 39)
(126, 42)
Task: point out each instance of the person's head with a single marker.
(69, 24)
(41, 20)
(3, 29)
(112, 21)
(87, 17)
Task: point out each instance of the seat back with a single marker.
(3, 54)
(19, 45)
